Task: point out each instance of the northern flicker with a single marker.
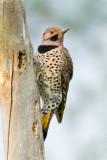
(54, 70)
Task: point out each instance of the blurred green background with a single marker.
(82, 134)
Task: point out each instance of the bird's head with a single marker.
(54, 36)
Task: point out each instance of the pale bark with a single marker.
(19, 96)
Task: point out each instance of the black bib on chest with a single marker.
(44, 48)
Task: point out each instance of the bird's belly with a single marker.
(49, 69)
(49, 87)
(51, 95)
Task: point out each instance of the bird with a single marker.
(54, 70)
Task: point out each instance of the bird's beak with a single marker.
(63, 31)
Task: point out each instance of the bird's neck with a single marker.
(58, 43)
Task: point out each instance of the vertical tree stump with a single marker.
(19, 96)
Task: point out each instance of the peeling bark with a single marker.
(19, 96)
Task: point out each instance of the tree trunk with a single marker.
(19, 96)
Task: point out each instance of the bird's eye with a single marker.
(52, 32)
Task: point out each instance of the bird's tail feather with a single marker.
(45, 122)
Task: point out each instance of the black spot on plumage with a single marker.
(44, 48)
(53, 60)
